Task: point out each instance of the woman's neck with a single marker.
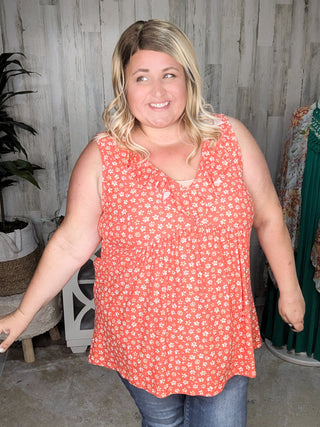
(169, 151)
(154, 139)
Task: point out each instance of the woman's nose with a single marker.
(158, 88)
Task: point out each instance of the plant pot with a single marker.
(19, 255)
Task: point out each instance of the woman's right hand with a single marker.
(12, 326)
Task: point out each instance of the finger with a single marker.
(4, 346)
(284, 318)
(297, 327)
(6, 343)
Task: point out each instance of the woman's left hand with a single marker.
(292, 308)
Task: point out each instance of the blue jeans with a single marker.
(226, 409)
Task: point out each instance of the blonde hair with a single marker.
(160, 36)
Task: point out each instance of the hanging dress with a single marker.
(299, 194)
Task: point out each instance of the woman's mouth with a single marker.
(159, 104)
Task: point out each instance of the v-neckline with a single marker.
(174, 182)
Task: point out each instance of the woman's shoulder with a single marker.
(103, 139)
(233, 125)
(225, 120)
(106, 144)
(111, 152)
(229, 126)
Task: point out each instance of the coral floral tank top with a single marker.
(174, 308)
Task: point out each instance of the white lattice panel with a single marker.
(78, 308)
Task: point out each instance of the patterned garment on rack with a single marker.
(304, 130)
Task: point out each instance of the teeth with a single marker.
(163, 104)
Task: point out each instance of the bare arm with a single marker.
(70, 246)
(270, 227)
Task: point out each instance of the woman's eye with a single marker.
(141, 79)
(169, 76)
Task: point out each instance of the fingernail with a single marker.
(2, 350)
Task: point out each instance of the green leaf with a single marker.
(9, 143)
(10, 68)
(20, 125)
(7, 95)
(20, 168)
(6, 183)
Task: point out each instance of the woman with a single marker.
(171, 190)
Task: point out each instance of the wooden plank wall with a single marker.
(260, 59)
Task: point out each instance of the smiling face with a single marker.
(156, 89)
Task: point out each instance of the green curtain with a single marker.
(273, 327)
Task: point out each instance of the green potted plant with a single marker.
(17, 258)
